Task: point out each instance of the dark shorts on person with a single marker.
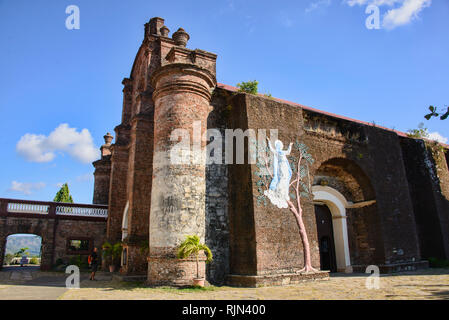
(94, 267)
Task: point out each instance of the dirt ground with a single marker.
(424, 284)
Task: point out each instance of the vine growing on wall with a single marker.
(432, 145)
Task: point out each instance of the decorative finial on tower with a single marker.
(165, 31)
(108, 138)
(106, 148)
(181, 37)
(153, 27)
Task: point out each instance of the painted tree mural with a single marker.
(279, 169)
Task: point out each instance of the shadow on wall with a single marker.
(217, 221)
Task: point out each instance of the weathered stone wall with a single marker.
(169, 88)
(139, 181)
(94, 231)
(388, 176)
(102, 176)
(54, 234)
(182, 93)
(242, 233)
(279, 246)
(265, 239)
(41, 227)
(428, 179)
(217, 220)
(344, 175)
(118, 187)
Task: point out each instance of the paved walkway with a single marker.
(427, 284)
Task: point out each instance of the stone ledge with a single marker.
(395, 267)
(275, 280)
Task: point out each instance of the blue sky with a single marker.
(56, 82)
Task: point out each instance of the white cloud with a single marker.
(317, 4)
(404, 14)
(405, 11)
(437, 137)
(40, 148)
(26, 187)
(374, 2)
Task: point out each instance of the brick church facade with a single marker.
(378, 196)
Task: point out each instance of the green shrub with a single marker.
(34, 260)
(112, 252)
(80, 261)
(8, 258)
(248, 87)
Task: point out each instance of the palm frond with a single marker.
(192, 246)
(208, 253)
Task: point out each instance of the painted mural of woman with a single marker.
(278, 192)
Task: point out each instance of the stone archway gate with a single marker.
(56, 223)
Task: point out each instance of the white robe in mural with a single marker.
(278, 192)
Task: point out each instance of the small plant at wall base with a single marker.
(192, 246)
(248, 87)
(112, 252)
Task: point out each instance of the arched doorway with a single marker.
(23, 250)
(330, 213)
(325, 236)
(342, 185)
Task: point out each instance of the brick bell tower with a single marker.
(183, 84)
(154, 202)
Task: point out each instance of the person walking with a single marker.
(93, 261)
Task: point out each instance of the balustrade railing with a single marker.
(41, 208)
(27, 208)
(82, 211)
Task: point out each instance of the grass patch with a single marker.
(194, 289)
(185, 289)
(130, 285)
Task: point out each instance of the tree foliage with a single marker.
(248, 87)
(434, 113)
(8, 258)
(63, 195)
(112, 251)
(22, 252)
